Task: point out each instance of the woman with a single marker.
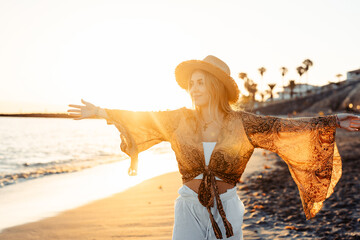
(213, 144)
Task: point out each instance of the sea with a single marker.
(36, 147)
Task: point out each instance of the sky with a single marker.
(122, 54)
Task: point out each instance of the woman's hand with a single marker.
(81, 112)
(350, 122)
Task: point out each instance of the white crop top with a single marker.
(208, 149)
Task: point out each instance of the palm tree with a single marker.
(307, 64)
(262, 70)
(339, 76)
(252, 88)
(284, 71)
(242, 75)
(292, 86)
(271, 86)
(300, 70)
(249, 85)
(262, 95)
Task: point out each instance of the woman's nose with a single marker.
(194, 88)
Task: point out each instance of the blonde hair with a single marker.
(219, 99)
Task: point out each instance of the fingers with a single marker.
(85, 102)
(79, 112)
(74, 106)
(350, 122)
(350, 128)
(87, 105)
(132, 172)
(354, 125)
(354, 117)
(74, 110)
(355, 122)
(75, 115)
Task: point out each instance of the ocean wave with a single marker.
(39, 169)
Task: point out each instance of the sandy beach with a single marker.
(145, 211)
(141, 212)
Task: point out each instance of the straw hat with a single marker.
(212, 65)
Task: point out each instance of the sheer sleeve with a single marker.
(142, 130)
(308, 147)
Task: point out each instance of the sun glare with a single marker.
(126, 72)
(124, 55)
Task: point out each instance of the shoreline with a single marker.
(47, 196)
(37, 115)
(143, 211)
(256, 163)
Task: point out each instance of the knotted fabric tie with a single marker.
(207, 190)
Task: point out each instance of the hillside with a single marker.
(346, 97)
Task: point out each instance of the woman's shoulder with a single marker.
(247, 119)
(182, 112)
(239, 113)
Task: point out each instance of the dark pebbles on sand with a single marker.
(273, 205)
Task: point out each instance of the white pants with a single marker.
(192, 221)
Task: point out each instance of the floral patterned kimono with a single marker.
(307, 145)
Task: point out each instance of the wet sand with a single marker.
(141, 212)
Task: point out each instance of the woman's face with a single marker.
(197, 89)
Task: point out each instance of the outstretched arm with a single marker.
(87, 110)
(138, 130)
(308, 147)
(350, 122)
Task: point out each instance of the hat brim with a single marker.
(184, 70)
